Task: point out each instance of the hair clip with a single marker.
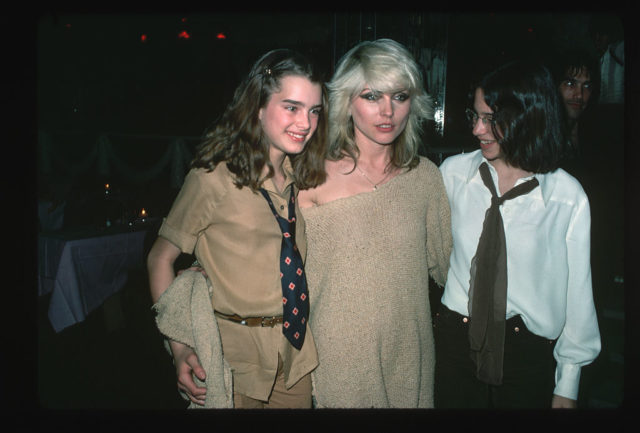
(267, 71)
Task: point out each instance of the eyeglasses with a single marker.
(473, 117)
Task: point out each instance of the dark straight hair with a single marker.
(529, 119)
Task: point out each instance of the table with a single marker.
(83, 267)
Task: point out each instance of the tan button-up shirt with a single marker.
(236, 239)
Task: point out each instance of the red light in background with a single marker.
(221, 36)
(184, 35)
(143, 38)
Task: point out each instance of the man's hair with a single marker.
(570, 62)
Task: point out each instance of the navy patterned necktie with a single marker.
(295, 296)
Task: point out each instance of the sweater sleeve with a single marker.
(439, 239)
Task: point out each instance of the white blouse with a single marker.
(548, 259)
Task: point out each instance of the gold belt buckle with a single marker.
(268, 321)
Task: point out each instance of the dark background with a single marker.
(96, 74)
(144, 79)
(93, 74)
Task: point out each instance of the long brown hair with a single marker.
(237, 137)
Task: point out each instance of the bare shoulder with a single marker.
(337, 185)
(311, 197)
(307, 197)
(341, 167)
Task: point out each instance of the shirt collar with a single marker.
(545, 181)
(288, 178)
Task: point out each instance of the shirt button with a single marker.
(281, 207)
(516, 329)
(465, 319)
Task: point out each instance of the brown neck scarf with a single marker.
(488, 285)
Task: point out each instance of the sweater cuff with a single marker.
(567, 381)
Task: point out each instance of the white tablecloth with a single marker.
(81, 271)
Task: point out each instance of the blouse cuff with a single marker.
(567, 380)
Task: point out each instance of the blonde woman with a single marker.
(376, 229)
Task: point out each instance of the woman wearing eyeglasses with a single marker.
(517, 320)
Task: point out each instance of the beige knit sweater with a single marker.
(368, 263)
(185, 314)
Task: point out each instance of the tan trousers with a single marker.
(296, 397)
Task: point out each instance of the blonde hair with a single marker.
(385, 66)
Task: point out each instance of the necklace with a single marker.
(375, 185)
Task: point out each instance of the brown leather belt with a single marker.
(250, 321)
